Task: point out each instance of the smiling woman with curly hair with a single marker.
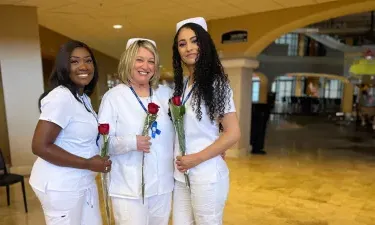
(211, 83)
(208, 98)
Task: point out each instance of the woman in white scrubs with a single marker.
(124, 108)
(63, 176)
(208, 99)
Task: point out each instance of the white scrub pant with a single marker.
(202, 205)
(156, 210)
(71, 208)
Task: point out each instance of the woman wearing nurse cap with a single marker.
(208, 99)
(124, 108)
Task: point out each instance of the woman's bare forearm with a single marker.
(59, 157)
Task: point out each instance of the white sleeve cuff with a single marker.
(122, 145)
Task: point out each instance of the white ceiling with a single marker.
(91, 21)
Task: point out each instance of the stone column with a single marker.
(263, 88)
(298, 87)
(22, 81)
(347, 98)
(240, 71)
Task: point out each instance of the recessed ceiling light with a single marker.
(117, 26)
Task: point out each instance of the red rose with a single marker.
(153, 108)
(103, 129)
(176, 100)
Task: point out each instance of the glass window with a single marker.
(256, 90)
(283, 87)
(273, 87)
(290, 39)
(288, 88)
(333, 89)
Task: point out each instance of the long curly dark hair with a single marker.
(211, 83)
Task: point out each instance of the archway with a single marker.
(261, 43)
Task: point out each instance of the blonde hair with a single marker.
(127, 60)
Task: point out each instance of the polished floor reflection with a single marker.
(313, 174)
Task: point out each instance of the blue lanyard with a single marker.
(154, 127)
(89, 107)
(139, 100)
(189, 94)
(92, 111)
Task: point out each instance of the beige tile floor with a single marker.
(323, 180)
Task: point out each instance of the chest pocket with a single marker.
(83, 132)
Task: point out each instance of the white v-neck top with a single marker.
(78, 137)
(198, 136)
